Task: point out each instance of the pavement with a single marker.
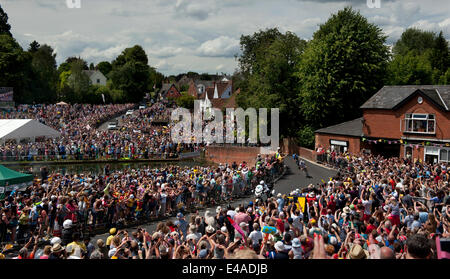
(104, 126)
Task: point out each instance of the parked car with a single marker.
(142, 107)
(112, 126)
(129, 112)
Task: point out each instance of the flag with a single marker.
(269, 230)
(236, 226)
(301, 201)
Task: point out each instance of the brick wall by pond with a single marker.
(289, 146)
(230, 154)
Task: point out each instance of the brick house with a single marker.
(405, 121)
(219, 95)
(169, 90)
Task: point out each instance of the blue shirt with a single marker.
(423, 217)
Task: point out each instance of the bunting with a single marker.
(417, 145)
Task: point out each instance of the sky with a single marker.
(196, 35)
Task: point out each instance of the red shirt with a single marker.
(332, 205)
(28, 257)
(311, 200)
(280, 225)
(309, 245)
(370, 228)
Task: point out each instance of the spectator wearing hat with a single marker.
(66, 236)
(280, 253)
(112, 233)
(358, 252)
(58, 252)
(296, 252)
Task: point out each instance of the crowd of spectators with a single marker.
(118, 198)
(136, 137)
(373, 208)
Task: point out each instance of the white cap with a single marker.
(279, 246)
(55, 240)
(67, 224)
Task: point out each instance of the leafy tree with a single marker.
(131, 73)
(305, 137)
(44, 73)
(34, 46)
(184, 87)
(15, 65)
(106, 92)
(410, 69)
(79, 82)
(344, 65)
(64, 78)
(440, 56)
(253, 48)
(63, 67)
(185, 101)
(81, 61)
(445, 78)
(105, 67)
(156, 79)
(420, 57)
(413, 39)
(117, 96)
(91, 66)
(268, 65)
(4, 26)
(67, 65)
(205, 76)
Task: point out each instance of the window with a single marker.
(408, 152)
(98, 80)
(339, 146)
(444, 155)
(420, 123)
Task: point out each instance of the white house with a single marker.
(96, 77)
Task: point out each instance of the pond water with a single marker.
(97, 168)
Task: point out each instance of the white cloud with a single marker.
(164, 52)
(200, 10)
(195, 35)
(222, 46)
(443, 26)
(109, 54)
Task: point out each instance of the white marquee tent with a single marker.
(19, 129)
